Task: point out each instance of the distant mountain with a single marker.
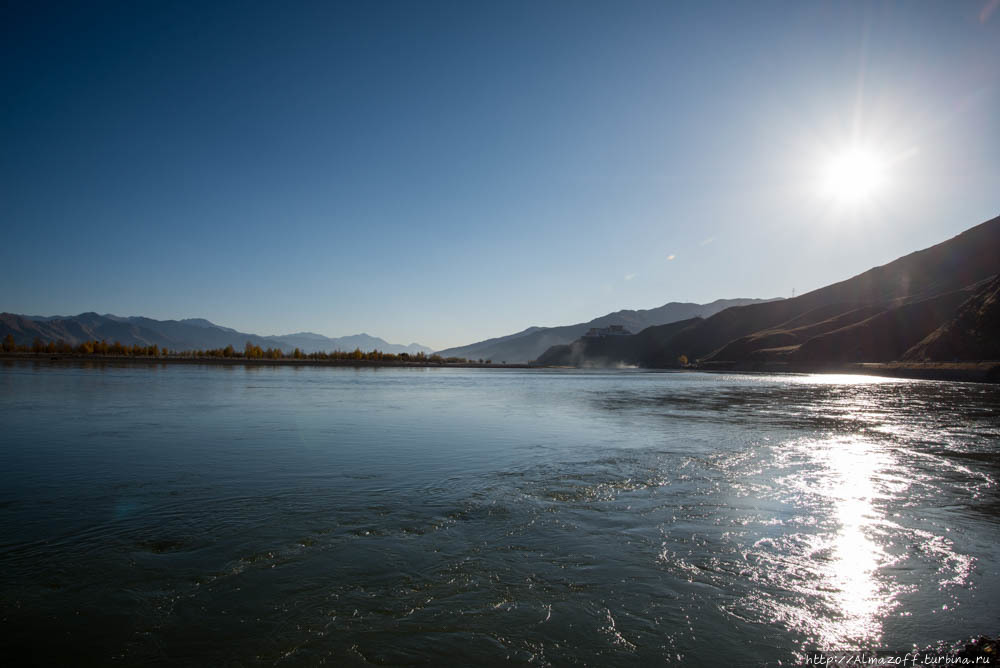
(188, 334)
(528, 344)
(311, 342)
(876, 316)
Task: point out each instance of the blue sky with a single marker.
(447, 172)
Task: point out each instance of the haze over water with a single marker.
(202, 515)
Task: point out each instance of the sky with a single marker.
(445, 172)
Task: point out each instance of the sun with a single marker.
(854, 175)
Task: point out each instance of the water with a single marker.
(187, 515)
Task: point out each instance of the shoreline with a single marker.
(961, 372)
(968, 372)
(62, 358)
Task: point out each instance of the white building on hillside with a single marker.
(613, 330)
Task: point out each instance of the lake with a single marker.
(231, 515)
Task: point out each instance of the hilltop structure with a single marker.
(612, 330)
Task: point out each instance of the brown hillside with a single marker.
(973, 334)
(970, 257)
(785, 338)
(874, 316)
(884, 337)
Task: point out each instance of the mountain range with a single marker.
(179, 335)
(528, 344)
(937, 304)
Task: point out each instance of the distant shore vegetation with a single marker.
(250, 351)
(102, 347)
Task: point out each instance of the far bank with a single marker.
(969, 372)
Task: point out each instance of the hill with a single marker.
(528, 344)
(873, 317)
(973, 334)
(611, 351)
(188, 334)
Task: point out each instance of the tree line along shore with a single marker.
(101, 351)
(250, 352)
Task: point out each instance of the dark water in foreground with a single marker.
(183, 515)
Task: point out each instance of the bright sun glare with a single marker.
(854, 175)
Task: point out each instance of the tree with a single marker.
(682, 360)
(37, 346)
(8, 344)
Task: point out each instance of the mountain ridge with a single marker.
(185, 334)
(529, 343)
(875, 316)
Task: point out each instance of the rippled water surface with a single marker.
(185, 515)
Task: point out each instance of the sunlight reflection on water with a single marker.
(847, 379)
(841, 573)
(831, 568)
(860, 601)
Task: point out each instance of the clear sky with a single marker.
(448, 172)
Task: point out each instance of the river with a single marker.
(230, 515)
